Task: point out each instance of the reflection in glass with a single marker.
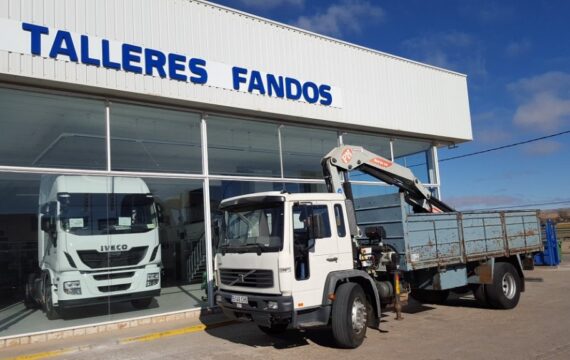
(153, 139)
(303, 149)
(43, 130)
(252, 228)
(241, 147)
(376, 144)
(413, 154)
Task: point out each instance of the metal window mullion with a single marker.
(108, 133)
(436, 180)
(280, 151)
(207, 215)
(392, 150)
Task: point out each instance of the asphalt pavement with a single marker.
(539, 328)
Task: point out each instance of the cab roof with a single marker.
(278, 196)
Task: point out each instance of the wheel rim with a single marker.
(509, 286)
(358, 315)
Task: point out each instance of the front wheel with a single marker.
(505, 291)
(274, 329)
(349, 316)
(51, 312)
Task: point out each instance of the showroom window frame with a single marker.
(204, 175)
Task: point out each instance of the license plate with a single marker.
(239, 299)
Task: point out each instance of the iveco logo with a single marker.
(110, 248)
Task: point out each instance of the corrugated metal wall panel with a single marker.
(378, 91)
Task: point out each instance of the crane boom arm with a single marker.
(346, 158)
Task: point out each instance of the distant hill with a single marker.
(556, 215)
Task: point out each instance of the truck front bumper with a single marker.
(257, 308)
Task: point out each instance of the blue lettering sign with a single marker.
(140, 60)
(36, 32)
(63, 45)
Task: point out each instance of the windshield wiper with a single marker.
(259, 247)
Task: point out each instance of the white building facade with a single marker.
(202, 102)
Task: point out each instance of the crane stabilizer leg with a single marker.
(348, 158)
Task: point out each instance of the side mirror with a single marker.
(46, 224)
(159, 213)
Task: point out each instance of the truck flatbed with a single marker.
(436, 240)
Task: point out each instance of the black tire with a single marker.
(29, 301)
(141, 303)
(274, 329)
(430, 296)
(505, 291)
(51, 311)
(350, 298)
(480, 295)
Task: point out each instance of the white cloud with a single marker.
(341, 18)
(452, 50)
(517, 48)
(270, 4)
(544, 101)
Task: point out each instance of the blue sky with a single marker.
(517, 58)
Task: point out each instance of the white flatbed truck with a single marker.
(301, 260)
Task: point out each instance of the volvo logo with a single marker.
(241, 277)
(113, 248)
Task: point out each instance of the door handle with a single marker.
(332, 259)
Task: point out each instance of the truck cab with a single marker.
(290, 242)
(97, 242)
(276, 255)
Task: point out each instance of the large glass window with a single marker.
(240, 147)
(413, 154)
(117, 246)
(377, 144)
(303, 149)
(152, 139)
(42, 130)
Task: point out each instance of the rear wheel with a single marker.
(430, 296)
(141, 303)
(480, 295)
(274, 329)
(29, 301)
(349, 315)
(505, 291)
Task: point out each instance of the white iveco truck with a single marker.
(97, 242)
(300, 260)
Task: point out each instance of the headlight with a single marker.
(152, 279)
(272, 305)
(218, 299)
(72, 287)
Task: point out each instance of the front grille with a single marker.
(112, 276)
(112, 288)
(247, 277)
(95, 259)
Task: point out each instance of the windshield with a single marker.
(102, 214)
(257, 228)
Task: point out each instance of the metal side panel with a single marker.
(386, 211)
(433, 238)
(522, 230)
(482, 233)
